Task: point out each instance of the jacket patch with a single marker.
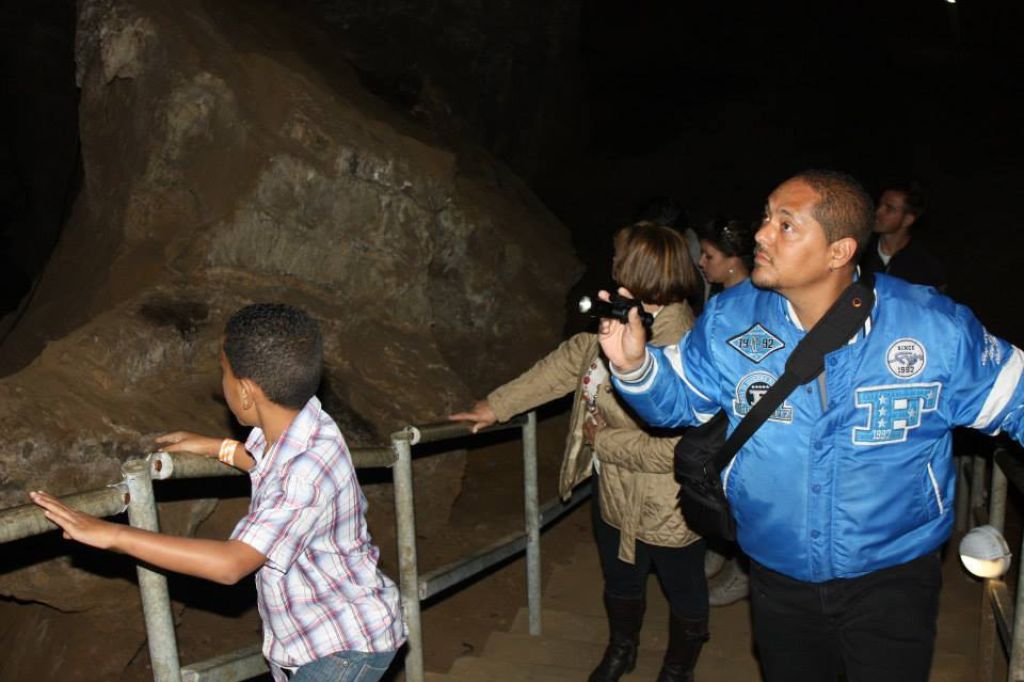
(894, 411)
(751, 388)
(993, 352)
(756, 343)
(906, 358)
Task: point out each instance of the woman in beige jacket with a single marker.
(637, 524)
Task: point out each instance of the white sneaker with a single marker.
(730, 585)
(713, 562)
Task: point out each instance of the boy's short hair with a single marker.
(278, 347)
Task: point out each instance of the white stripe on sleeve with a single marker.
(642, 377)
(675, 359)
(702, 417)
(1002, 390)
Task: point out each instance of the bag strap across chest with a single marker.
(839, 324)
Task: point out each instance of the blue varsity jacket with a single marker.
(853, 472)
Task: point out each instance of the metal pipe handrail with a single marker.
(156, 599)
(241, 664)
(1001, 616)
(409, 580)
(443, 577)
(27, 520)
(249, 662)
(408, 566)
(135, 493)
(447, 430)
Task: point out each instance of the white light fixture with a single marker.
(952, 2)
(984, 552)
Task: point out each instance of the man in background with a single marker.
(893, 250)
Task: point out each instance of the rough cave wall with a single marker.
(39, 143)
(506, 74)
(228, 158)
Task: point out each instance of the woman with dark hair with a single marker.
(726, 258)
(726, 253)
(637, 524)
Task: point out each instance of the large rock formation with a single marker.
(506, 74)
(231, 157)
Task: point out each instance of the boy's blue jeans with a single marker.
(345, 666)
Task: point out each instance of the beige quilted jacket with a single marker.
(638, 490)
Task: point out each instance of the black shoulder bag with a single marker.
(703, 452)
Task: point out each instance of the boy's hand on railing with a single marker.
(184, 441)
(481, 415)
(77, 525)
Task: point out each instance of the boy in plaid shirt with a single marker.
(328, 612)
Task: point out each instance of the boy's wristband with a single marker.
(227, 451)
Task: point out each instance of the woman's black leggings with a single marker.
(680, 570)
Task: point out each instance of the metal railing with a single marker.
(135, 494)
(1002, 616)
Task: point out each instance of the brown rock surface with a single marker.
(229, 158)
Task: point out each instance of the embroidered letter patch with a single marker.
(893, 411)
(751, 388)
(756, 343)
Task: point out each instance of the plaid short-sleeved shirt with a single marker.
(320, 591)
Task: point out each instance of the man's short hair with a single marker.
(278, 347)
(913, 196)
(653, 262)
(845, 208)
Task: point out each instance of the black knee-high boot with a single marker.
(625, 616)
(686, 637)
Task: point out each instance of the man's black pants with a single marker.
(875, 628)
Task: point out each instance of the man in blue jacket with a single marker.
(844, 496)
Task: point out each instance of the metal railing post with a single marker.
(963, 495)
(156, 600)
(135, 493)
(409, 579)
(977, 488)
(987, 630)
(986, 635)
(532, 512)
(997, 498)
(1015, 667)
